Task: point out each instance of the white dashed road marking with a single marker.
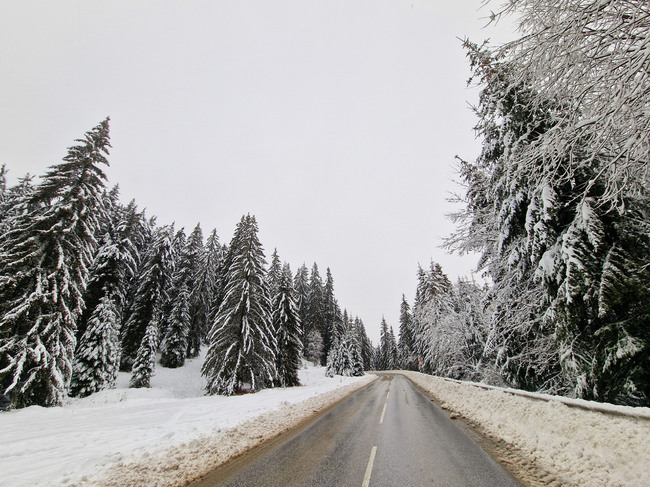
(371, 461)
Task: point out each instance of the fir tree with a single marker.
(393, 353)
(406, 348)
(97, 360)
(167, 297)
(274, 275)
(241, 350)
(365, 345)
(332, 321)
(314, 347)
(556, 242)
(203, 293)
(468, 331)
(43, 274)
(316, 309)
(333, 360)
(149, 297)
(15, 201)
(3, 183)
(301, 286)
(384, 357)
(286, 323)
(145, 360)
(174, 347)
(175, 341)
(433, 305)
(344, 357)
(142, 239)
(351, 343)
(114, 265)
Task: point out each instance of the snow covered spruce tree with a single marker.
(203, 294)
(315, 319)
(174, 345)
(563, 255)
(406, 347)
(314, 347)
(146, 308)
(44, 260)
(301, 287)
(96, 360)
(167, 304)
(387, 357)
(115, 262)
(158, 272)
(592, 56)
(495, 223)
(241, 342)
(186, 269)
(366, 349)
(467, 332)
(274, 275)
(15, 200)
(433, 304)
(145, 359)
(286, 324)
(332, 321)
(344, 357)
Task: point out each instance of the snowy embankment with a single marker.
(167, 435)
(552, 440)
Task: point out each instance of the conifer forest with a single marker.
(556, 205)
(91, 286)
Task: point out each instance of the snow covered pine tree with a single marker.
(286, 324)
(565, 244)
(44, 260)
(241, 342)
(97, 356)
(148, 297)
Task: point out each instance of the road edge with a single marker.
(507, 455)
(190, 462)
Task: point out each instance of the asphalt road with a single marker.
(387, 434)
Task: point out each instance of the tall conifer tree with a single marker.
(203, 294)
(97, 359)
(242, 344)
(365, 345)
(149, 297)
(175, 340)
(274, 275)
(332, 321)
(406, 346)
(43, 274)
(316, 309)
(97, 356)
(301, 286)
(286, 324)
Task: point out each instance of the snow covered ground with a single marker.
(171, 434)
(166, 435)
(556, 443)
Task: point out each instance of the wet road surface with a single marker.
(387, 434)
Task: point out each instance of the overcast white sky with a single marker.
(334, 122)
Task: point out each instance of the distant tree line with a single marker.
(89, 287)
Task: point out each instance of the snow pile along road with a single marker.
(554, 443)
(167, 435)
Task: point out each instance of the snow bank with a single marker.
(166, 435)
(559, 444)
